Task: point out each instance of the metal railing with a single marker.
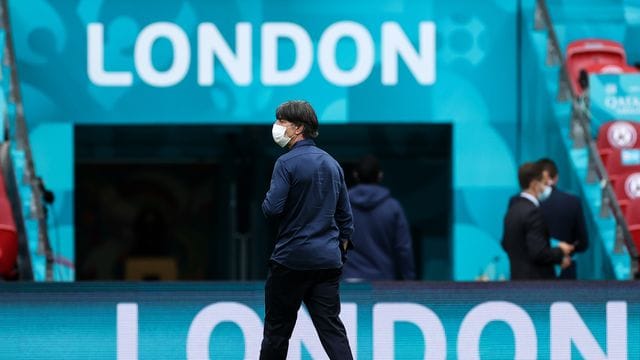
(22, 142)
(580, 133)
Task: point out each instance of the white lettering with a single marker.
(567, 331)
(181, 54)
(610, 101)
(304, 333)
(208, 318)
(349, 316)
(211, 43)
(623, 105)
(271, 75)
(95, 60)
(422, 64)
(238, 62)
(526, 342)
(364, 53)
(567, 327)
(127, 331)
(386, 314)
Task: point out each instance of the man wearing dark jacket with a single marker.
(308, 196)
(525, 236)
(382, 240)
(563, 214)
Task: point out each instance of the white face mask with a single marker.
(278, 133)
(544, 195)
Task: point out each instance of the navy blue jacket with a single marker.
(309, 197)
(382, 242)
(563, 214)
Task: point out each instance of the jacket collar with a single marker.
(305, 142)
(531, 198)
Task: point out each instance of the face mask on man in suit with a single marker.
(542, 190)
(544, 195)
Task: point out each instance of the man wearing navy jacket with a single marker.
(563, 214)
(308, 196)
(383, 250)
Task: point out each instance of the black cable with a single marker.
(48, 199)
(54, 219)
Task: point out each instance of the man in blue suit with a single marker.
(308, 197)
(562, 212)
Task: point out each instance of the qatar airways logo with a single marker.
(623, 105)
(213, 50)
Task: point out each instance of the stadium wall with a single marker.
(454, 62)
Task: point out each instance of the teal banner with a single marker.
(383, 321)
(613, 97)
(185, 62)
(235, 61)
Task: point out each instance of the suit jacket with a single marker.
(526, 241)
(562, 212)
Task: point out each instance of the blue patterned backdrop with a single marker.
(474, 89)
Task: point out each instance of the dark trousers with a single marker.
(285, 290)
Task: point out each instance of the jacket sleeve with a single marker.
(343, 215)
(581, 239)
(273, 204)
(403, 248)
(538, 247)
